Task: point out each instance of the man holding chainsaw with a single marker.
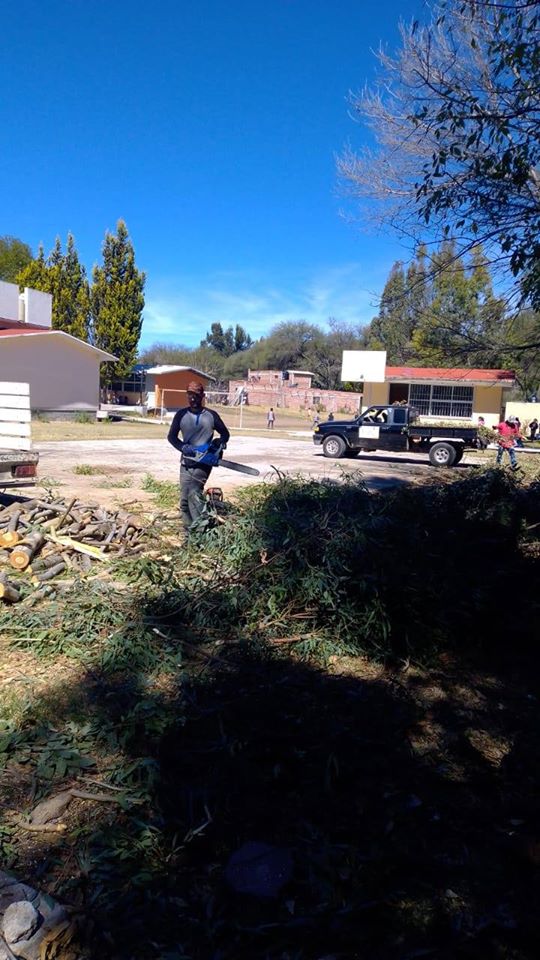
(197, 426)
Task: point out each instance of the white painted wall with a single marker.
(525, 411)
(37, 307)
(62, 375)
(9, 301)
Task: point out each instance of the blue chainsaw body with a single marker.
(208, 453)
(211, 454)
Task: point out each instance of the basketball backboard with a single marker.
(366, 366)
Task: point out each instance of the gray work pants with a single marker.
(192, 481)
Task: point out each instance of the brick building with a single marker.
(292, 390)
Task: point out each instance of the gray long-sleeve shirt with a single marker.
(196, 428)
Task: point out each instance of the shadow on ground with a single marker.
(404, 802)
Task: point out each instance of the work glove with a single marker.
(216, 446)
(188, 450)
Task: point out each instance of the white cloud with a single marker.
(180, 311)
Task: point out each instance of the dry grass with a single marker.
(61, 430)
(253, 418)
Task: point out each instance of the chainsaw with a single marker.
(211, 454)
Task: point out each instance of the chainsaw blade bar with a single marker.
(239, 467)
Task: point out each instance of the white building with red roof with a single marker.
(63, 371)
(463, 393)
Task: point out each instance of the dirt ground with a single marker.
(123, 464)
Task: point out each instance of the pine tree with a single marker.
(459, 322)
(117, 302)
(242, 340)
(63, 276)
(215, 339)
(35, 274)
(391, 330)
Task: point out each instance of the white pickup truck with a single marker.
(18, 462)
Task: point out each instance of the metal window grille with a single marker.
(432, 400)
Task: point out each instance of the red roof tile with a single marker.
(454, 374)
(20, 332)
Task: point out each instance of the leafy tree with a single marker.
(456, 120)
(166, 353)
(325, 354)
(63, 276)
(14, 256)
(203, 358)
(237, 365)
(287, 345)
(521, 328)
(117, 303)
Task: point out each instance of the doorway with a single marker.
(399, 393)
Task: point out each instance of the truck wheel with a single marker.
(442, 455)
(334, 447)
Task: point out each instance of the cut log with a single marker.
(12, 525)
(44, 575)
(10, 539)
(85, 563)
(9, 593)
(43, 563)
(22, 554)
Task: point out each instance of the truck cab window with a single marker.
(375, 416)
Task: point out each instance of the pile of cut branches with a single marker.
(42, 541)
(337, 568)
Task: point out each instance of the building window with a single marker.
(432, 400)
(134, 383)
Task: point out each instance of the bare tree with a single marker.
(456, 118)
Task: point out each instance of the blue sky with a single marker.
(211, 128)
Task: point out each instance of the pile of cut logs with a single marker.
(41, 541)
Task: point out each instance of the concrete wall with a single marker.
(488, 403)
(525, 411)
(62, 375)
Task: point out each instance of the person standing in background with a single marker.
(270, 418)
(508, 434)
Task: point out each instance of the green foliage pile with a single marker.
(342, 569)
